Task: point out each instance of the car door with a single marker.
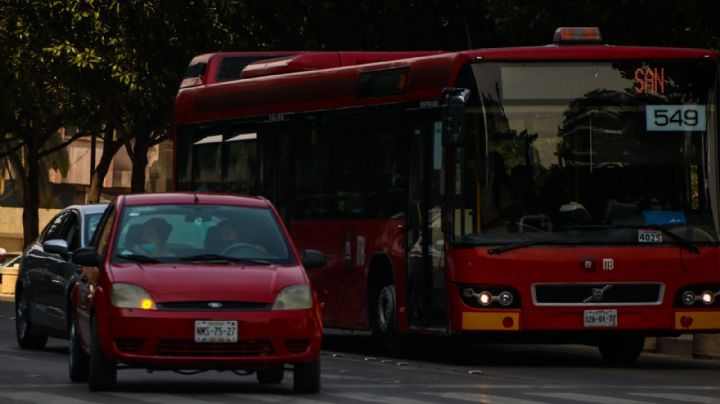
(84, 291)
(61, 273)
(35, 272)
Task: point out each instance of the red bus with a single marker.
(567, 191)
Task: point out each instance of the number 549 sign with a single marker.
(675, 118)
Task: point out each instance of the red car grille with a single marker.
(173, 347)
(297, 345)
(130, 345)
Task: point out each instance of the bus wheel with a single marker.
(383, 318)
(621, 348)
(386, 309)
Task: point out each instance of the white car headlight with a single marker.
(296, 297)
(127, 296)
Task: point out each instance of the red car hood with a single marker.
(193, 282)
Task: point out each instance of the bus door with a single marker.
(276, 165)
(292, 160)
(426, 296)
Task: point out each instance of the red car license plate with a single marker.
(216, 331)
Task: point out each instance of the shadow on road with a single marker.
(474, 353)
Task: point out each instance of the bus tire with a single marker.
(384, 317)
(621, 349)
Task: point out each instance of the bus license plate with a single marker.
(600, 318)
(216, 331)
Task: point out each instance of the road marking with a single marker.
(589, 398)
(15, 357)
(482, 398)
(374, 398)
(275, 398)
(33, 397)
(692, 398)
(398, 384)
(159, 398)
(487, 386)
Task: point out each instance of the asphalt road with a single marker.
(433, 372)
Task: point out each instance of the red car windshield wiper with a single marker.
(219, 258)
(139, 258)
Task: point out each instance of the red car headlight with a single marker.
(128, 296)
(295, 297)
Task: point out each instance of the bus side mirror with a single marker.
(454, 116)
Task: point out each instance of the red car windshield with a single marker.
(192, 233)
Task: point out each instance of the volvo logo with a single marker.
(598, 294)
(215, 305)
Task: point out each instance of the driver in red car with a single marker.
(228, 236)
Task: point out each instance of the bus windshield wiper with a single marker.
(529, 243)
(507, 247)
(219, 258)
(139, 258)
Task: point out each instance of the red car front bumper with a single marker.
(166, 339)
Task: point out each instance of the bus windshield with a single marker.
(607, 152)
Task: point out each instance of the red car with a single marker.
(194, 282)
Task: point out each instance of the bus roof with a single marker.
(295, 81)
(212, 68)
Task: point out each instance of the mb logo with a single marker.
(608, 264)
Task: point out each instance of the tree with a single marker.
(132, 55)
(112, 67)
(37, 103)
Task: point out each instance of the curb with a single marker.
(678, 346)
(693, 346)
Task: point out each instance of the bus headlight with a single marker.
(485, 298)
(688, 298)
(489, 296)
(698, 296)
(505, 298)
(707, 297)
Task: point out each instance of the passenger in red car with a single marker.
(153, 238)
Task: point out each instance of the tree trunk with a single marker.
(30, 188)
(110, 148)
(139, 163)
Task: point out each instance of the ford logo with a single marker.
(215, 305)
